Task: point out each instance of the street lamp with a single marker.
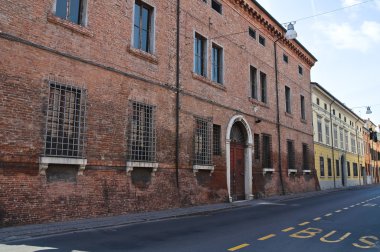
(368, 109)
(290, 34)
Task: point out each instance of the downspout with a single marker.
(177, 98)
(332, 144)
(278, 119)
(357, 149)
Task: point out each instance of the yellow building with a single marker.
(338, 141)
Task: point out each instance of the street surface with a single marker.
(346, 221)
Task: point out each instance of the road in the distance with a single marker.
(341, 221)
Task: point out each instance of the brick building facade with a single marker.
(108, 114)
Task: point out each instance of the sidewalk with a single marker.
(31, 231)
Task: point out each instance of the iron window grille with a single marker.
(291, 154)
(203, 142)
(216, 139)
(65, 121)
(322, 166)
(142, 26)
(72, 10)
(267, 151)
(305, 157)
(142, 132)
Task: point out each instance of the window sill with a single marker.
(196, 168)
(292, 172)
(69, 25)
(288, 115)
(257, 102)
(306, 172)
(208, 81)
(45, 161)
(143, 55)
(133, 164)
(303, 121)
(268, 170)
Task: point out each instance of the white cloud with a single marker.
(345, 36)
(346, 3)
(377, 3)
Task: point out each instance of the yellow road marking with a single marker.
(304, 223)
(266, 237)
(317, 219)
(239, 247)
(329, 214)
(287, 229)
(338, 211)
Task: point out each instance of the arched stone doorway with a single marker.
(239, 159)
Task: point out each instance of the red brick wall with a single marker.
(113, 75)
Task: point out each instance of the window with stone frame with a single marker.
(303, 109)
(217, 64)
(267, 151)
(355, 169)
(142, 132)
(65, 121)
(327, 130)
(322, 166)
(329, 167)
(319, 128)
(203, 141)
(71, 10)
(253, 80)
(288, 104)
(263, 84)
(143, 26)
(348, 169)
(337, 168)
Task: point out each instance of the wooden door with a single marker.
(237, 172)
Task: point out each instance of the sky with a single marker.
(346, 44)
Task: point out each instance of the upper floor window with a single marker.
(143, 26)
(216, 6)
(252, 33)
(303, 111)
(285, 58)
(317, 101)
(300, 70)
(263, 82)
(319, 128)
(261, 40)
(142, 133)
(327, 130)
(200, 65)
(325, 106)
(253, 79)
(65, 121)
(217, 64)
(72, 10)
(288, 107)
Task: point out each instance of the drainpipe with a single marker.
(332, 144)
(357, 149)
(278, 119)
(177, 98)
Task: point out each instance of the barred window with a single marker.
(267, 151)
(305, 157)
(257, 146)
(65, 121)
(216, 139)
(202, 142)
(142, 133)
(291, 154)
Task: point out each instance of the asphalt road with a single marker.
(341, 221)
